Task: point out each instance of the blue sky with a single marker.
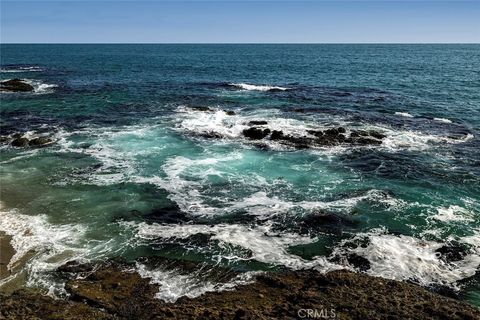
(70, 21)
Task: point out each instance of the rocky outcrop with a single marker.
(257, 123)
(20, 141)
(15, 85)
(113, 291)
(315, 138)
(40, 141)
(256, 133)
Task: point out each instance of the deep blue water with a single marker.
(131, 171)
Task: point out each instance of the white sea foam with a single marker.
(453, 213)
(21, 69)
(118, 160)
(173, 285)
(264, 244)
(231, 128)
(253, 87)
(40, 245)
(40, 87)
(409, 258)
(404, 114)
(186, 180)
(444, 120)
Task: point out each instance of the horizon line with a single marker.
(237, 43)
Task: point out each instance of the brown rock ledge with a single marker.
(109, 292)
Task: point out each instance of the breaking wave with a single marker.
(253, 87)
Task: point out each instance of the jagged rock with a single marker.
(15, 85)
(276, 135)
(20, 142)
(202, 108)
(329, 137)
(452, 252)
(376, 134)
(39, 141)
(316, 133)
(114, 291)
(256, 133)
(229, 112)
(257, 123)
(75, 268)
(210, 134)
(358, 262)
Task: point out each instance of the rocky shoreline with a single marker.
(112, 290)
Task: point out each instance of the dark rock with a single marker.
(257, 123)
(331, 132)
(114, 291)
(75, 267)
(202, 108)
(299, 110)
(17, 135)
(376, 134)
(210, 134)
(276, 135)
(256, 133)
(20, 142)
(170, 214)
(358, 262)
(358, 133)
(452, 252)
(297, 142)
(229, 112)
(316, 133)
(39, 141)
(275, 90)
(326, 222)
(15, 85)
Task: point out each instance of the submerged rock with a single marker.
(170, 214)
(114, 291)
(15, 85)
(325, 222)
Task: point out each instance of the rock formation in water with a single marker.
(15, 85)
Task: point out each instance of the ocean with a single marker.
(150, 157)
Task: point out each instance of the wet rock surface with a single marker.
(256, 133)
(114, 291)
(315, 138)
(20, 141)
(15, 85)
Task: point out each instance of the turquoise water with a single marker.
(131, 172)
